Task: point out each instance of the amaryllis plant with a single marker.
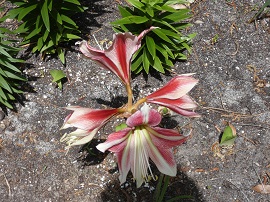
(142, 138)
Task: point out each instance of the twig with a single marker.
(258, 177)
(247, 139)
(9, 190)
(238, 190)
(253, 125)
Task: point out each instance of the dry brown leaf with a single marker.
(263, 189)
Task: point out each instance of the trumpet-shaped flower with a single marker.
(117, 57)
(141, 140)
(87, 121)
(173, 95)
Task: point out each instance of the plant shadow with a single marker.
(90, 155)
(181, 185)
(87, 20)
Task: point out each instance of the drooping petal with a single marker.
(114, 140)
(117, 57)
(88, 119)
(175, 88)
(78, 137)
(144, 116)
(183, 105)
(165, 138)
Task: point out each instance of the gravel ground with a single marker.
(234, 87)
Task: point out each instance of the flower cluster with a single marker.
(142, 138)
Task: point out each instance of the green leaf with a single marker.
(120, 127)
(145, 60)
(124, 11)
(130, 20)
(151, 46)
(71, 36)
(162, 35)
(228, 136)
(4, 84)
(136, 4)
(6, 103)
(45, 15)
(162, 51)
(26, 11)
(73, 2)
(57, 75)
(2, 94)
(9, 65)
(15, 76)
(61, 54)
(180, 15)
(158, 66)
(68, 20)
(47, 45)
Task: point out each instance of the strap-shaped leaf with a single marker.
(158, 66)
(4, 102)
(136, 4)
(180, 15)
(9, 65)
(145, 60)
(2, 94)
(73, 2)
(47, 45)
(151, 46)
(61, 55)
(71, 36)
(15, 76)
(26, 11)
(45, 15)
(162, 35)
(4, 84)
(124, 11)
(162, 51)
(130, 20)
(2, 51)
(33, 33)
(68, 20)
(40, 44)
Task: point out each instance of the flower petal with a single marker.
(117, 57)
(114, 140)
(88, 119)
(175, 88)
(144, 116)
(181, 106)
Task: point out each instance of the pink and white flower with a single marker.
(141, 140)
(87, 121)
(174, 95)
(117, 58)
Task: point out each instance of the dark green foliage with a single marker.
(162, 46)
(10, 75)
(46, 24)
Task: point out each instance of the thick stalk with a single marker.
(130, 97)
(138, 103)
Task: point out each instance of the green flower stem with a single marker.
(164, 188)
(160, 192)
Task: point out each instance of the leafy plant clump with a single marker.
(10, 75)
(161, 47)
(46, 24)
